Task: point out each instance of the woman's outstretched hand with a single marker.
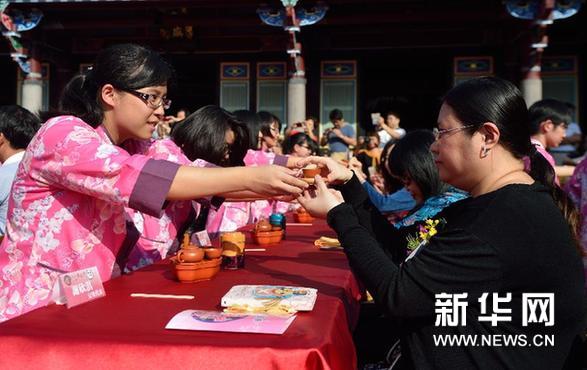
(320, 201)
(334, 172)
(274, 181)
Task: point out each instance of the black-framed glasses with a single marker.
(152, 100)
(439, 133)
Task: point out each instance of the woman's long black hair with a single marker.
(253, 123)
(491, 99)
(202, 136)
(299, 139)
(411, 157)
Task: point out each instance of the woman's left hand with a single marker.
(320, 201)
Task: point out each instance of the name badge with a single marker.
(201, 238)
(81, 286)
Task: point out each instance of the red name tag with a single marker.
(81, 286)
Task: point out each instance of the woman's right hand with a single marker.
(274, 180)
(336, 173)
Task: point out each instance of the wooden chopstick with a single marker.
(164, 296)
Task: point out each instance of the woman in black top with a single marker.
(515, 236)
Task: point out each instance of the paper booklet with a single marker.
(229, 322)
(269, 299)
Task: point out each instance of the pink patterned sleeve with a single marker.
(81, 161)
(576, 184)
(167, 150)
(260, 158)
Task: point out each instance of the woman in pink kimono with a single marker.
(233, 215)
(67, 207)
(209, 137)
(158, 234)
(268, 146)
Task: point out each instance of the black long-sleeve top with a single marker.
(512, 240)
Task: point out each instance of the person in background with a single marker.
(412, 163)
(17, 128)
(385, 191)
(548, 123)
(567, 151)
(515, 235)
(233, 215)
(162, 131)
(312, 124)
(269, 132)
(382, 181)
(307, 127)
(300, 145)
(369, 155)
(339, 137)
(181, 114)
(214, 135)
(253, 123)
(389, 128)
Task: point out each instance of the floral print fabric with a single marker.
(67, 209)
(159, 234)
(233, 215)
(576, 188)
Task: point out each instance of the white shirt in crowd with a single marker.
(384, 136)
(7, 174)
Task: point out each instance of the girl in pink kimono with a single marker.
(67, 207)
(209, 137)
(158, 235)
(233, 215)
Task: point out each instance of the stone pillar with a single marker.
(532, 83)
(296, 100)
(532, 88)
(32, 88)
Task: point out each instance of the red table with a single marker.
(118, 331)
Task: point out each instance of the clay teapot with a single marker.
(263, 225)
(190, 255)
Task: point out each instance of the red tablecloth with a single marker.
(118, 331)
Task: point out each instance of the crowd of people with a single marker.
(473, 208)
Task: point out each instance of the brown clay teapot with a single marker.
(263, 225)
(190, 255)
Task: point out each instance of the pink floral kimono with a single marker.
(67, 209)
(576, 188)
(542, 150)
(233, 215)
(158, 235)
